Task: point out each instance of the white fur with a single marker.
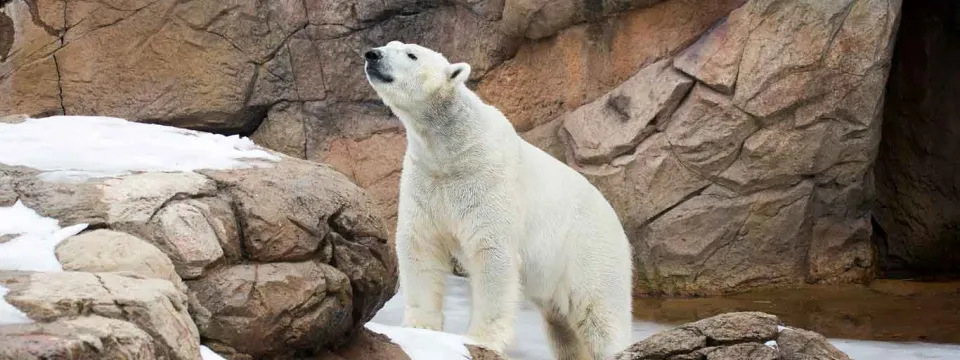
(512, 214)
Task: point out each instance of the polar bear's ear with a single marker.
(458, 72)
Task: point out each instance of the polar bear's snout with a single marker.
(375, 68)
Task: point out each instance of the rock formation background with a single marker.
(738, 140)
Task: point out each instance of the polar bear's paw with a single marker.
(493, 338)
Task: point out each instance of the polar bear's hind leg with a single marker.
(564, 341)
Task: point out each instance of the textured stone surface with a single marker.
(733, 336)
(113, 251)
(536, 19)
(84, 338)
(799, 344)
(620, 119)
(762, 175)
(551, 77)
(787, 96)
(155, 306)
(292, 251)
(254, 309)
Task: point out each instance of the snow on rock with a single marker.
(8, 313)
(421, 344)
(70, 147)
(36, 237)
(207, 354)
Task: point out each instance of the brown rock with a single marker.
(155, 306)
(732, 336)
(617, 121)
(70, 203)
(29, 31)
(270, 309)
(665, 344)
(537, 19)
(553, 76)
(653, 170)
(738, 327)
(452, 30)
(367, 345)
(310, 200)
(480, 353)
(83, 338)
(709, 243)
(707, 132)
(284, 130)
(183, 231)
(112, 251)
(841, 251)
(798, 344)
(714, 59)
(746, 351)
(791, 38)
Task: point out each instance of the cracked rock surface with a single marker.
(734, 138)
(759, 175)
(261, 262)
(733, 336)
(156, 307)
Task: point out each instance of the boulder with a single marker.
(269, 309)
(733, 336)
(799, 344)
(113, 251)
(287, 250)
(156, 307)
(84, 338)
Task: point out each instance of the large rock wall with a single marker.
(734, 137)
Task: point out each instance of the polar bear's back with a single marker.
(564, 211)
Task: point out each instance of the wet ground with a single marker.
(887, 310)
(889, 320)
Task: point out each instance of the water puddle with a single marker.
(894, 320)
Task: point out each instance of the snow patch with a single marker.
(37, 238)
(9, 314)
(871, 350)
(73, 148)
(771, 344)
(421, 344)
(207, 354)
(780, 328)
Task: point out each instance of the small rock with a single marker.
(798, 344)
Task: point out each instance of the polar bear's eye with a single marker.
(411, 56)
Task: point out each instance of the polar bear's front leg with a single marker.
(495, 288)
(423, 267)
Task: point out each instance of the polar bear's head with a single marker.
(407, 76)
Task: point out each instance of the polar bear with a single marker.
(515, 217)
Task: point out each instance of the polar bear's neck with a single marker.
(450, 125)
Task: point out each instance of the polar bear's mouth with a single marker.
(374, 72)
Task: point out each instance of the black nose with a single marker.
(372, 55)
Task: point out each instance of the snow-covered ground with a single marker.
(95, 146)
(35, 237)
(531, 341)
(422, 344)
